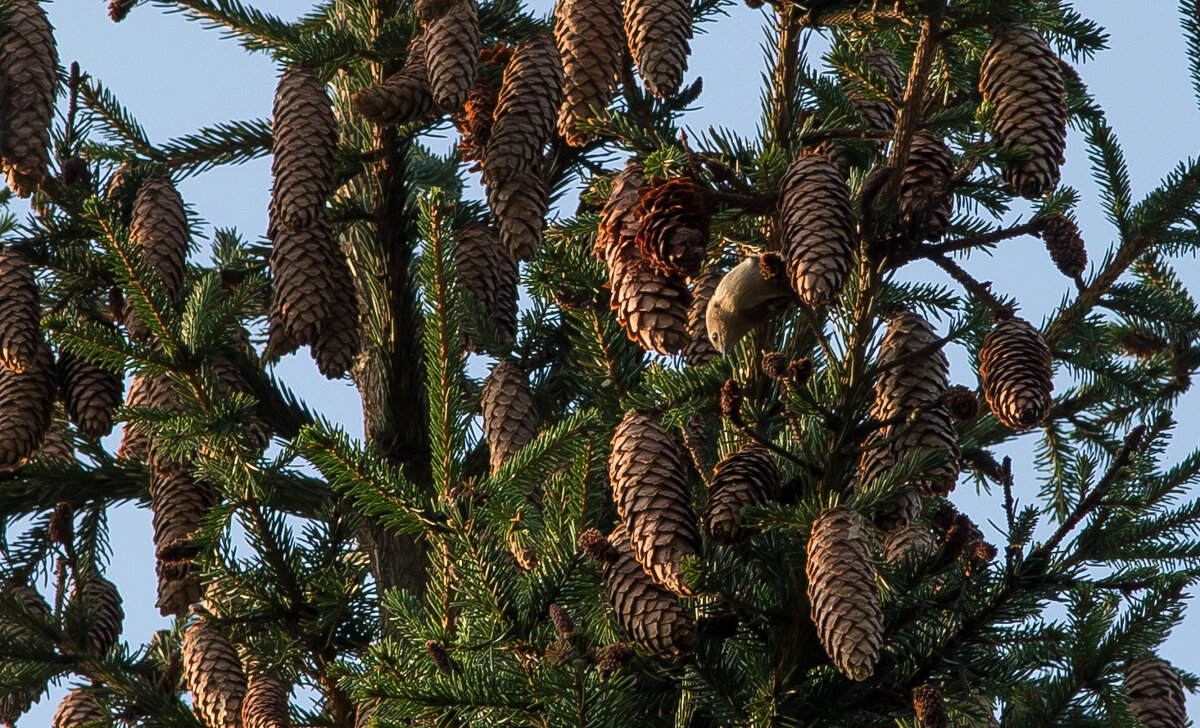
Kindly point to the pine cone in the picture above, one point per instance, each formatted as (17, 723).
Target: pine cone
(78, 708)
(30, 82)
(145, 392)
(930, 707)
(403, 97)
(15, 704)
(509, 418)
(908, 543)
(673, 220)
(562, 621)
(614, 657)
(305, 149)
(304, 297)
(817, 228)
(1142, 345)
(338, 346)
(266, 703)
(961, 402)
(1015, 366)
(1156, 694)
(490, 273)
(56, 446)
(651, 615)
(748, 477)
(590, 41)
(474, 122)
(119, 9)
(1065, 245)
(898, 512)
(650, 488)
(842, 592)
(97, 603)
(1021, 75)
(526, 110)
(652, 308)
(158, 226)
(618, 219)
(699, 350)
(925, 199)
(230, 382)
(519, 208)
(21, 312)
(90, 394)
(879, 114)
(658, 32)
(451, 53)
(178, 501)
(214, 675)
(26, 408)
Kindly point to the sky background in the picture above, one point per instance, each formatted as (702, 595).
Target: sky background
(175, 76)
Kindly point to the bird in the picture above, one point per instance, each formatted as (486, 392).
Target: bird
(744, 299)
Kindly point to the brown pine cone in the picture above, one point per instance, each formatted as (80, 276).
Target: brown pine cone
(26, 408)
(305, 149)
(525, 111)
(17, 703)
(930, 707)
(509, 418)
(178, 501)
(908, 543)
(1065, 245)
(879, 114)
(403, 97)
(652, 308)
(649, 614)
(961, 402)
(213, 674)
(474, 122)
(562, 621)
(673, 221)
(614, 657)
(1142, 344)
(486, 268)
(61, 527)
(451, 53)
(29, 76)
(1156, 695)
(649, 485)
(841, 589)
(158, 226)
(338, 346)
(97, 603)
(658, 33)
(21, 312)
(898, 512)
(1021, 75)
(591, 43)
(145, 392)
(618, 219)
(699, 350)
(266, 703)
(925, 195)
(749, 477)
(90, 394)
(303, 298)
(817, 227)
(519, 206)
(78, 708)
(1015, 366)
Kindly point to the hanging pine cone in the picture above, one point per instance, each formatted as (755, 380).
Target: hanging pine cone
(650, 488)
(748, 477)
(562, 621)
(930, 707)
(649, 614)
(841, 590)
(145, 392)
(304, 150)
(90, 394)
(1065, 245)
(898, 512)
(519, 206)
(1021, 75)
(451, 53)
(29, 66)
(961, 402)
(178, 502)
(474, 120)
(925, 199)
(673, 220)
(78, 708)
(490, 273)
(214, 675)
(908, 543)
(590, 42)
(652, 308)
(21, 312)
(158, 226)
(337, 347)
(97, 604)
(879, 114)
(266, 703)
(699, 350)
(525, 111)
(618, 219)
(16, 703)
(303, 299)
(658, 32)
(1015, 366)
(119, 9)
(509, 419)
(817, 228)
(403, 97)
(1156, 694)
(26, 408)
(1142, 345)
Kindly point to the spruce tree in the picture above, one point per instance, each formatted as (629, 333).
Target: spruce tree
(706, 478)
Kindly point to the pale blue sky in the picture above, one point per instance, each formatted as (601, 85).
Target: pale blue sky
(176, 77)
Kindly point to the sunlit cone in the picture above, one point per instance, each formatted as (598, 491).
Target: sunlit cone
(749, 477)
(98, 603)
(591, 43)
(649, 614)
(304, 151)
(402, 98)
(29, 73)
(842, 592)
(525, 111)
(452, 52)
(26, 408)
(78, 708)
(15, 704)
(908, 543)
(1021, 76)
(214, 675)
(158, 227)
(486, 268)
(91, 394)
(1156, 695)
(266, 703)
(925, 194)
(673, 221)
(658, 33)
(475, 119)
(817, 228)
(1015, 366)
(879, 114)
(699, 350)
(230, 381)
(618, 219)
(650, 488)
(653, 308)
(1065, 245)
(20, 312)
(509, 418)
(519, 206)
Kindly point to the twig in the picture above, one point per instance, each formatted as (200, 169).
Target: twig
(1092, 500)
(972, 241)
(974, 287)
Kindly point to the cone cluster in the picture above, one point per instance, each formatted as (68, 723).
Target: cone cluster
(29, 77)
(748, 477)
(451, 50)
(658, 32)
(878, 114)
(1015, 366)
(266, 702)
(403, 97)
(78, 708)
(213, 674)
(20, 312)
(925, 199)
(486, 268)
(158, 228)
(509, 417)
(1156, 695)
(1065, 245)
(590, 41)
(649, 614)
(26, 408)
(90, 394)
(97, 603)
(817, 226)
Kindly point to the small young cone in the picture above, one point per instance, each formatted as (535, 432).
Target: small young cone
(29, 75)
(213, 674)
(699, 350)
(78, 708)
(925, 195)
(618, 219)
(305, 148)
(749, 477)
(486, 268)
(509, 418)
(26, 408)
(1156, 695)
(1015, 366)
(118, 10)
(673, 222)
(99, 603)
(649, 484)
(519, 206)
(652, 308)
(158, 226)
(817, 228)
(1021, 75)
(17, 703)
(590, 41)
(649, 614)
(452, 52)
(303, 298)
(90, 394)
(526, 110)
(879, 114)
(402, 98)
(1065, 245)
(20, 313)
(930, 707)
(658, 33)
(908, 543)
(842, 593)
(266, 703)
